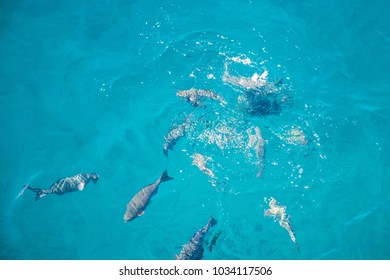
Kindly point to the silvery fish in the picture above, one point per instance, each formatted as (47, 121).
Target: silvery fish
(138, 203)
(194, 96)
(256, 142)
(200, 161)
(255, 82)
(174, 134)
(280, 215)
(193, 250)
(66, 185)
(259, 149)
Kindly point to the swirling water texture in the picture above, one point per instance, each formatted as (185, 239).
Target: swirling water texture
(91, 87)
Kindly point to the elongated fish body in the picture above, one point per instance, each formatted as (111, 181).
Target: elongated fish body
(194, 96)
(214, 240)
(280, 215)
(66, 185)
(200, 161)
(257, 82)
(174, 134)
(260, 152)
(256, 142)
(193, 250)
(138, 203)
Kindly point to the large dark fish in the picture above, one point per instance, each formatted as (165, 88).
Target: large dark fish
(138, 203)
(193, 250)
(66, 185)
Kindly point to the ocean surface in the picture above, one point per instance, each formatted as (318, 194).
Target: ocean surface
(90, 86)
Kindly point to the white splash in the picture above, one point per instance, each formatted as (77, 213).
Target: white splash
(238, 59)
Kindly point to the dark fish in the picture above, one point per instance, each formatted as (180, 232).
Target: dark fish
(66, 185)
(214, 240)
(138, 203)
(174, 134)
(193, 250)
(261, 103)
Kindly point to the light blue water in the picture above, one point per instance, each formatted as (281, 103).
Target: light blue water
(89, 86)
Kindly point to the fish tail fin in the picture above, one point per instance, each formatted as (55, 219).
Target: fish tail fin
(165, 151)
(39, 196)
(212, 221)
(279, 82)
(260, 172)
(39, 192)
(165, 177)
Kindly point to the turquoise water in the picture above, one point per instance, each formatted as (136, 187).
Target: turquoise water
(90, 86)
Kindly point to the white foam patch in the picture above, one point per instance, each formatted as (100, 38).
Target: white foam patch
(238, 59)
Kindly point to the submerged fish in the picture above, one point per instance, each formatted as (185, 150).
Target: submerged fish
(280, 215)
(260, 152)
(174, 134)
(194, 96)
(295, 136)
(193, 250)
(138, 203)
(66, 185)
(214, 240)
(201, 162)
(256, 142)
(256, 103)
(260, 97)
(255, 82)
